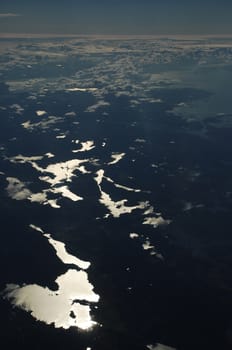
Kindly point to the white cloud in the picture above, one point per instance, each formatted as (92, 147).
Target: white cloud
(61, 251)
(55, 307)
(43, 124)
(86, 146)
(59, 172)
(70, 114)
(17, 189)
(115, 208)
(134, 235)
(156, 221)
(99, 104)
(65, 192)
(40, 113)
(61, 307)
(116, 158)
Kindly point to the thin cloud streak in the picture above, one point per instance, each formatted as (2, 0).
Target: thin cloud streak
(6, 15)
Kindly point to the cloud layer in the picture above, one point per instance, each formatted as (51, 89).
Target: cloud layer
(9, 14)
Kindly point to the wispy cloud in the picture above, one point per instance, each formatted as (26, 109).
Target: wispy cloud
(6, 15)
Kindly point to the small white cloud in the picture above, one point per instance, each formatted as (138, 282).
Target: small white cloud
(38, 197)
(86, 146)
(100, 103)
(116, 158)
(40, 113)
(156, 221)
(16, 189)
(70, 114)
(134, 235)
(147, 245)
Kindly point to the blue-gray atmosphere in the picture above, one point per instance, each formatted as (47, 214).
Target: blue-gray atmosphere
(116, 17)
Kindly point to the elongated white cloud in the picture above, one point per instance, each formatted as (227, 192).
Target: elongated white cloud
(116, 158)
(61, 251)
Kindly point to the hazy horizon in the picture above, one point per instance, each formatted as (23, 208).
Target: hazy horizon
(117, 18)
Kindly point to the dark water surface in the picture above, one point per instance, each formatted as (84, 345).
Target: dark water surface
(160, 261)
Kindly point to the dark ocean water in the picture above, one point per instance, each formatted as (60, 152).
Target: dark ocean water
(170, 283)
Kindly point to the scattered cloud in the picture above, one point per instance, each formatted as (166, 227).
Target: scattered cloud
(16, 189)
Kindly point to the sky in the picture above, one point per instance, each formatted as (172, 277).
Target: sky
(128, 17)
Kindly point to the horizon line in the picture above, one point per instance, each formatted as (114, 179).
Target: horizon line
(5, 35)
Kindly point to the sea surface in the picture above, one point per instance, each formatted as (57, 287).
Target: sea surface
(116, 193)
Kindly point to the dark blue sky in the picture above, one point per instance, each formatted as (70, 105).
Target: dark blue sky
(117, 16)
